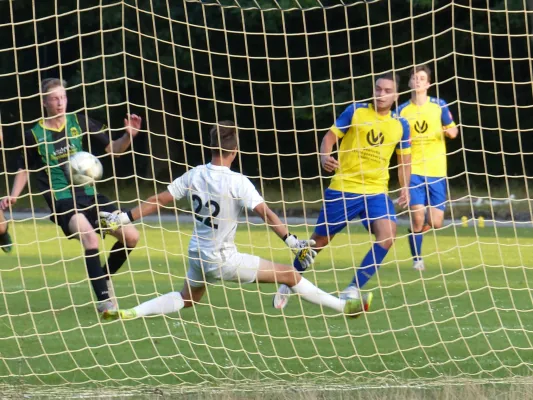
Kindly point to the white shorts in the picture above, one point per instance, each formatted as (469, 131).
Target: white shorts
(237, 267)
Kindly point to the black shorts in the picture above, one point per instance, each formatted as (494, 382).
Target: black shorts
(89, 206)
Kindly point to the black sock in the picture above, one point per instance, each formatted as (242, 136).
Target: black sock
(94, 269)
(117, 257)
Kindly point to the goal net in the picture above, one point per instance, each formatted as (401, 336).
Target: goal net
(283, 70)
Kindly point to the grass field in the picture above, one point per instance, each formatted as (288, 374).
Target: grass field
(468, 316)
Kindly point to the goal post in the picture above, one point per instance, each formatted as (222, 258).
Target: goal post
(283, 71)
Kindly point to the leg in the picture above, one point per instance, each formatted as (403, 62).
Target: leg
(270, 272)
(435, 217)
(3, 223)
(127, 238)
(437, 200)
(281, 298)
(380, 210)
(435, 189)
(80, 227)
(419, 199)
(416, 233)
(418, 216)
(168, 303)
(5, 239)
(338, 209)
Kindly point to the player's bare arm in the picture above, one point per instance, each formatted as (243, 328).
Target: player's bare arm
(329, 163)
(148, 207)
(273, 221)
(21, 179)
(404, 177)
(132, 125)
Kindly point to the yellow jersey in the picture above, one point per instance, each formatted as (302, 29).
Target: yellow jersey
(368, 142)
(428, 123)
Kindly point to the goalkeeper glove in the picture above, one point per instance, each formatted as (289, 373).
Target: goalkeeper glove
(302, 249)
(113, 221)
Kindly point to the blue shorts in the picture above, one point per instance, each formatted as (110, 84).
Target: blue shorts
(428, 191)
(342, 207)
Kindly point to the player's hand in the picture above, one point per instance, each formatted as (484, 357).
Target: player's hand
(303, 249)
(6, 201)
(132, 124)
(404, 198)
(329, 163)
(113, 221)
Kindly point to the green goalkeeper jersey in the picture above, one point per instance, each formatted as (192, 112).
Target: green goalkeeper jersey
(47, 152)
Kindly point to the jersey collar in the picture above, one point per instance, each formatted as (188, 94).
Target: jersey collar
(47, 128)
(422, 105)
(216, 167)
(379, 116)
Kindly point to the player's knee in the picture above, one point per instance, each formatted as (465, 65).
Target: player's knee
(132, 237)
(321, 241)
(436, 223)
(287, 275)
(418, 222)
(89, 240)
(387, 243)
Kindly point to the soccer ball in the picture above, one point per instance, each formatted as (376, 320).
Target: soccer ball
(85, 168)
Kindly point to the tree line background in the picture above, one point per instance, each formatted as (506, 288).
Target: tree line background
(282, 75)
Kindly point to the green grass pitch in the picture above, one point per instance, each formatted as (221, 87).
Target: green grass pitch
(467, 316)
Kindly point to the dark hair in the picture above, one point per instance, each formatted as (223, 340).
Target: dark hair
(390, 76)
(49, 83)
(223, 138)
(422, 68)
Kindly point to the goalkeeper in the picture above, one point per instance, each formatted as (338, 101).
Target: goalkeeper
(431, 122)
(217, 196)
(47, 148)
(370, 133)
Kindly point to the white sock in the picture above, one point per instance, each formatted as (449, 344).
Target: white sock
(166, 304)
(314, 295)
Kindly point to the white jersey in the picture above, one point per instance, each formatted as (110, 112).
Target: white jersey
(217, 196)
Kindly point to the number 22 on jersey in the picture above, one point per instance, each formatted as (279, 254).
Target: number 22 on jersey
(213, 208)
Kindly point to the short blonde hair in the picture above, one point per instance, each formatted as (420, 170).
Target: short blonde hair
(50, 83)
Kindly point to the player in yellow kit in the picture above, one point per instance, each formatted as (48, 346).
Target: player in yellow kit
(367, 135)
(431, 122)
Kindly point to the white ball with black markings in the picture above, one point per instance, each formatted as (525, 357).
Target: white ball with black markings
(85, 168)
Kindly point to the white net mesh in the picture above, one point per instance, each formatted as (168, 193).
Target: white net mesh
(283, 70)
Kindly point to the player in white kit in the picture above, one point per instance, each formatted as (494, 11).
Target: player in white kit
(217, 196)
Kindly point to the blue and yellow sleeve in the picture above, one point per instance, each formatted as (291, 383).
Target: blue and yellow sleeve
(401, 107)
(344, 121)
(404, 146)
(446, 115)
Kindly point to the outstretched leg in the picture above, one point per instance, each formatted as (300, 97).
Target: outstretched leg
(270, 272)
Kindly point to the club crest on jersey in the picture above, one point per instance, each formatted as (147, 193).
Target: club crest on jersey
(375, 139)
(421, 126)
(74, 131)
